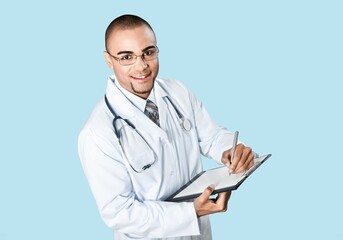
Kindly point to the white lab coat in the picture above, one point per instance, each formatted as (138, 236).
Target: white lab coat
(132, 203)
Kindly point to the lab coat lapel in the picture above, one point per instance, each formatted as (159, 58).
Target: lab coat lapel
(119, 103)
(160, 94)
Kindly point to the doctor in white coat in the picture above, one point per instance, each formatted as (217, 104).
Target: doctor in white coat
(133, 164)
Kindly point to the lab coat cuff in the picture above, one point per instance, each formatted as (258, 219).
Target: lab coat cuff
(186, 223)
(194, 224)
(179, 220)
(176, 220)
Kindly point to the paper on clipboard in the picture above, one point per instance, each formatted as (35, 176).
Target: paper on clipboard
(219, 177)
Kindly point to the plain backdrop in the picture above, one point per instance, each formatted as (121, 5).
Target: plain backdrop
(270, 69)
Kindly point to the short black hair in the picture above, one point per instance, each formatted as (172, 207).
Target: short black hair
(123, 22)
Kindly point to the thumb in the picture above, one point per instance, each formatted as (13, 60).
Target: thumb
(207, 193)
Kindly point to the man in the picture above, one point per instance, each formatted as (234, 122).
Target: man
(144, 140)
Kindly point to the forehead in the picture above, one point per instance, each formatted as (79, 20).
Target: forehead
(131, 39)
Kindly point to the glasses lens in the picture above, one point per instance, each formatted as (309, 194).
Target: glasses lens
(137, 151)
(127, 59)
(151, 54)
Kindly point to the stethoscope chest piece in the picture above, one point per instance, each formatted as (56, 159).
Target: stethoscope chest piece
(186, 125)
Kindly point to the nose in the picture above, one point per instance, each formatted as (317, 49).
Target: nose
(141, 63)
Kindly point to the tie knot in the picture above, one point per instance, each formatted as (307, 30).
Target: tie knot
(151, 111)
(151, 106)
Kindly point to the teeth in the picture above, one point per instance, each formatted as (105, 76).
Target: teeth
(141, 77)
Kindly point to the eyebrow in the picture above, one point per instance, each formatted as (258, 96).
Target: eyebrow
(124, 52)
(147, 48)
(130, 52)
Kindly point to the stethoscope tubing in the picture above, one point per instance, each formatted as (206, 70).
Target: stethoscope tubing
(186, 124)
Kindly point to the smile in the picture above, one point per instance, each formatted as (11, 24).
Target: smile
(142, 78)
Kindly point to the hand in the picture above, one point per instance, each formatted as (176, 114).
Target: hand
(204, 206)
(242, 161)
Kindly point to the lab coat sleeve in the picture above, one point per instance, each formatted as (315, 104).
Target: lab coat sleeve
(213, 139)
(111, 186)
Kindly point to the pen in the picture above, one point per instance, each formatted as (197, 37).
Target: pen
(233, 149)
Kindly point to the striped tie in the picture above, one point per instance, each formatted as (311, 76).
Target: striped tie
(151, 111)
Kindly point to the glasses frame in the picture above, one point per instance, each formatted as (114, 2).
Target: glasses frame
(135, 57)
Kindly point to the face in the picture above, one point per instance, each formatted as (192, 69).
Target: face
(139, 77)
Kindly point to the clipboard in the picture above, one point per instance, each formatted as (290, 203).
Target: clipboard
(219, 177)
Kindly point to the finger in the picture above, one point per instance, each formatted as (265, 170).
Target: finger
(248, 163)
(223, 197)
(226, 157)
(206, 193)
(222, 201)
(236, 157)
(252, 162)
(245, 158)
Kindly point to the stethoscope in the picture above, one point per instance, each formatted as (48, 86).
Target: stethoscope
(185, 124)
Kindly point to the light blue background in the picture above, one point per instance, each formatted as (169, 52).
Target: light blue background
(270, 69)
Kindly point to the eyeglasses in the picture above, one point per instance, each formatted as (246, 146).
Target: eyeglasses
(129, 58)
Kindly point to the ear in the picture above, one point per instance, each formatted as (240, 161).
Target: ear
(108, 60)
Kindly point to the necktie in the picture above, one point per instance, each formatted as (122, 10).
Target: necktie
(151, 111)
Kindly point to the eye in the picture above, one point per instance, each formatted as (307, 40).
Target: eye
(126, 57)
(149, 52)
